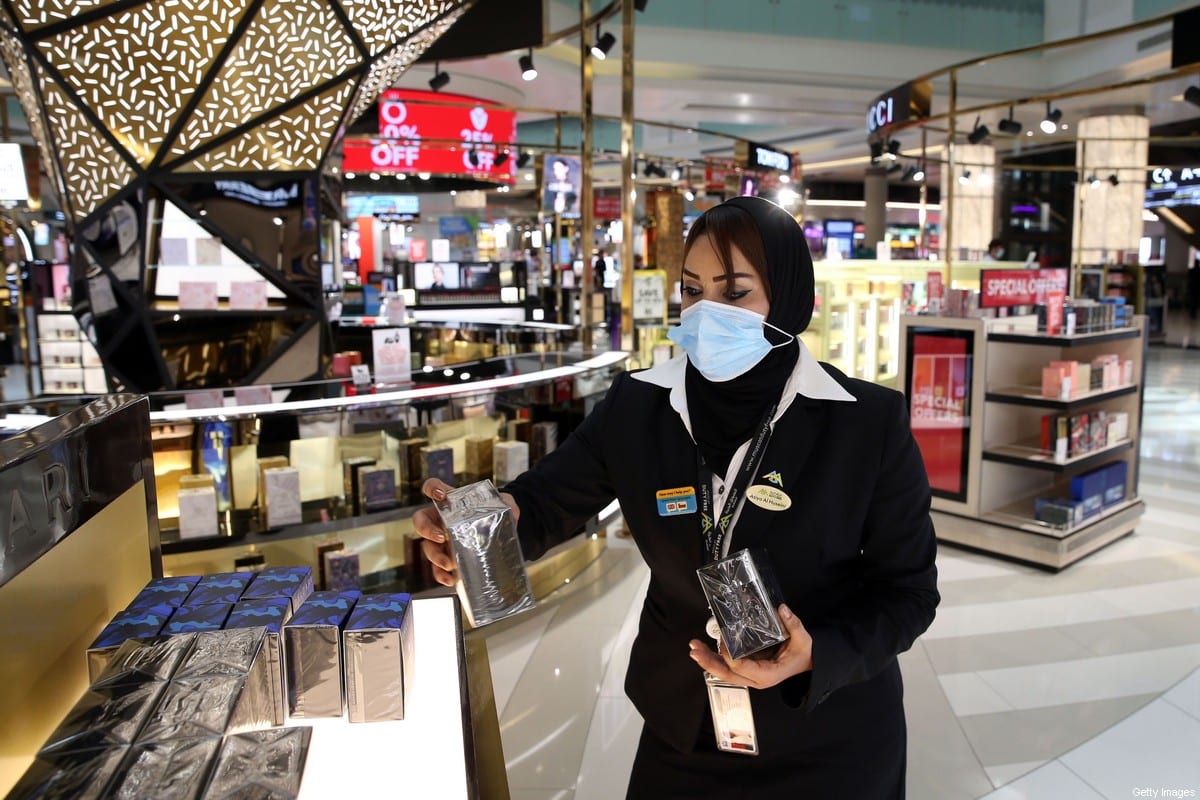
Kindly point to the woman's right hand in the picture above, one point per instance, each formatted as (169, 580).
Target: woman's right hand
(436, 546)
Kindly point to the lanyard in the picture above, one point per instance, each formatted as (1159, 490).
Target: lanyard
(714, 531)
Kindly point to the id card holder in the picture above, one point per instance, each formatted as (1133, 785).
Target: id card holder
(732, 716)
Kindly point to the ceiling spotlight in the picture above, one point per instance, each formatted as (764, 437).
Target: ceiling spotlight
(908, 173)
(876, 151)
(640, 5)
(1094, 182)
(893, 150)
(500, 159)
(676, 173)
(1050, 123)
(473, 157)
(528, 71)
(439, 79)
(978, 133)
(1114, 180)
(893, 168)
(689, 195)
(919, 173)
(523, 159)
(1192, 95)
(604, 43)
(965, 178)
(374, 176)
(785, 178)
(277, 220)
(1010, 125)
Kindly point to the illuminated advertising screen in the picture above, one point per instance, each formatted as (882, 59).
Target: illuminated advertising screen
(562, 181)
(435, 276)
(939, 403)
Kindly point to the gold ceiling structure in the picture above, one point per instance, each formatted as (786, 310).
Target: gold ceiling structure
(117, 90)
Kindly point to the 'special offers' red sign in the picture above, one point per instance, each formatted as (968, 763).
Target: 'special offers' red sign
(1019, 287)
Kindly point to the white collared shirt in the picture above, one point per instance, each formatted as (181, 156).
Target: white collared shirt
(808, 378)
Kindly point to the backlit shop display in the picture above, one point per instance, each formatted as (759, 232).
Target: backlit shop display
(939, 394)
(1173, 187)
(416, 136)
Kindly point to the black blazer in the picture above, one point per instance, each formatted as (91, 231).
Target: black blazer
(854, 555)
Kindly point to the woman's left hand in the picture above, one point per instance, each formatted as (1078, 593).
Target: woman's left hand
(792, 658)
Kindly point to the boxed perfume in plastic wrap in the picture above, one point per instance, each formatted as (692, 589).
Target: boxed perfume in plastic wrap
(743, 595)
(378, 645)
(312, 655)
(260, 764)
(492, 582)
(294, 583)
(77, 775)
(165, 591)
(145, 622)
(269, 613)
(223, 587)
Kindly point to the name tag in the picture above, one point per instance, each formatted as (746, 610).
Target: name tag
(673, 502)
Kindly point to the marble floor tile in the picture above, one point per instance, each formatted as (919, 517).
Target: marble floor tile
(1136, 633)
(541, 794)
(959, 565)
(1007, 773)
(1185, 695)
(509, 652)
(1051, 781)
(1158, 747)
(1016, 615)
(970, 694)
(612, 740)
(998, 650)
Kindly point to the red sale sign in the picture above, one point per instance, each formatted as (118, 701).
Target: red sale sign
(1019, 287)
(939, 394)
(418, 136)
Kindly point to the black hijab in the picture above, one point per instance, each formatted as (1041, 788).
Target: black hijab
(726, 414)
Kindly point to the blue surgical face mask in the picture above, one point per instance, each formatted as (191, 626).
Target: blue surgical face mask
(721, 340)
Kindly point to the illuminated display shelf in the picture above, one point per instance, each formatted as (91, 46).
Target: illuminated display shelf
(1003, 466)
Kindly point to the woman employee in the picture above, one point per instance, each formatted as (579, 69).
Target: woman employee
(838, 498)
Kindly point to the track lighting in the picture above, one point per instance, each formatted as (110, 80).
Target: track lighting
(908, 174)
(528, 71)
(1114, 180)
(676, 173)
(439, 79)
(876, 151)
(1094, 182)
(919, 173)
(1010, 125)
(1192, 95)
(500, 159)
(978, 133)
(893, 168)
(523, 159)
(604, 43)
(965, 178)
(893, 150)
(1050, 123)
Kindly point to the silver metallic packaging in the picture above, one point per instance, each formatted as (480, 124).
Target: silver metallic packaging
(177, 769)
(106, 717)
(81, 775)
(492, 581)
(261, 764)
(143, 661)
(269, 613)
(378, 644)
(744, 594)
(312, 655)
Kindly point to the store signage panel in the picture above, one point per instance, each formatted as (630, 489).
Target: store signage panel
(379, 205)
(1173, 186)
(606, 206)
(940, 363)
(441, 139)
(907, 101)
(650, 297)
(752, 155)
(1019, 287)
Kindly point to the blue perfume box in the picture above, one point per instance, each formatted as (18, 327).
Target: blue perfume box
(141, 623)
(379, 657)
(312, 652)
(294, 583)
(171, 591)
(224, 587)
(189, 618)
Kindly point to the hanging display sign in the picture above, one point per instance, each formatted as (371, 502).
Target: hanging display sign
(1173, 186)
(907, 101)
(1019, 287)
(716, 177)
(650, 297)
(752, 155)
(416, 136)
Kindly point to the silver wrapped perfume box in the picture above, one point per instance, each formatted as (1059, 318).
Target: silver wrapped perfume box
(492, 582)
(378, 645)
(80, 775)
(176, 769)
(260, 764)
(744, 594)
(312, 655)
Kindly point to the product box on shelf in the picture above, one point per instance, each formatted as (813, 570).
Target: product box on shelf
(313, 656)
(282, 487)
(1056, 511)
(1098, 429)
(142, 661)
(1084, 378)
(144, 622)
(165, 591)
(509, 459)
(378, 643)
(294, 583)
(1070, 372)
(1088, 488)
(208, 617)
(544, 438)
(80, 775)
(350, 471)
(221, 587)
(479, 456)
(409, 451)
(520, 430)
(342, 571)
(1080, 436)
(263, 764)
(171, 768)
(376, 489)
(1115, 476)
(110, 716)
(198, 513)
(493, 583)
(264, 464)
(269, 614)
(1055, 383)
(1118, 426)
(437, 462)
(743, 593)
(321, 549)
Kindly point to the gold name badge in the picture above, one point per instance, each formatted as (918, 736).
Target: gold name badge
(768, 497)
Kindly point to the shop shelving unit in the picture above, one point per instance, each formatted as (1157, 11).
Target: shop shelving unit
(69, 362)
(1004, 466)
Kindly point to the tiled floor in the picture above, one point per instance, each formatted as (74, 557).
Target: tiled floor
(1083, 684)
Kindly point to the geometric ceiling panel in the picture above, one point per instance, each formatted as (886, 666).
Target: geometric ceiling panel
(290, 46)
(294, 141)
(93, 169)
(137, 70)
(382, 22)
(35, 13)
(387, 69)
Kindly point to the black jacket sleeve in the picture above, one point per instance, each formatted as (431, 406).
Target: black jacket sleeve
(897, 575)
(567, 487)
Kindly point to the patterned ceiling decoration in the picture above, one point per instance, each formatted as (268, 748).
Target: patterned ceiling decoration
(126, 91)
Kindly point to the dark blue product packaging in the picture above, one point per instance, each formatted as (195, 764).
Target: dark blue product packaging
(294, 583)
(82, 775)
(312, 652)
(1089, 489)
(1056, 511)
(223, 587)
(198, 618)
(379, 657)
(141, 623)
(1114, 492)
(270, 613)
(216, 439)
(168, 591)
